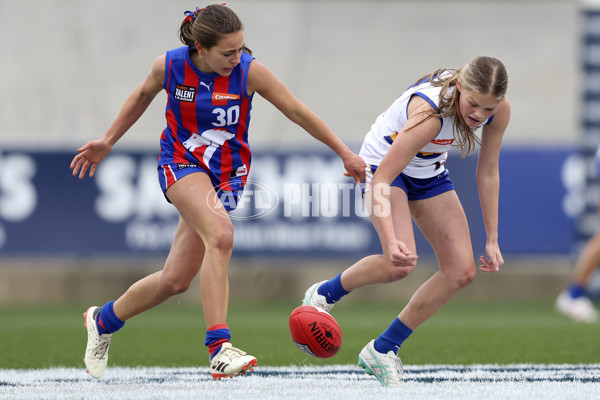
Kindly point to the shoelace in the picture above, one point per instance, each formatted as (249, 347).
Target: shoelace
(233, 353)
(396, 365)
(101, 348)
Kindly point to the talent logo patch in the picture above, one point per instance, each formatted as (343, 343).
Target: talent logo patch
(185, 93)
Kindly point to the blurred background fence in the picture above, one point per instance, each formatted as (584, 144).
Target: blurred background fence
(68, 65)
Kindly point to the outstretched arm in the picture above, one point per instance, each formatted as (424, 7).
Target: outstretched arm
(93, 152)
(416, 133)
(488, 183)
(265, 83)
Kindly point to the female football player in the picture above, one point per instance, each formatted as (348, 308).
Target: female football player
(407, 181)
(210, 83)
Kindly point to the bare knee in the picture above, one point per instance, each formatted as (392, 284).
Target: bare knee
(467, 278)
(174, 285)
(221, 240)
(464, 277)
(393, 273)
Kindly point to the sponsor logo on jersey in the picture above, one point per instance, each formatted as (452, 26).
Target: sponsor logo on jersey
(442, 141)
(225, 96)
(185, 93)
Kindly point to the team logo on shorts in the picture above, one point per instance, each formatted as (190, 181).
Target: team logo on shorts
(185, 93)
(240, 171)
(182, 166)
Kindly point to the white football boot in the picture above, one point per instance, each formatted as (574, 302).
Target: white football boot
(230, 362)
(580, 309)
(387, 368)
(96, 351)
(313, 298)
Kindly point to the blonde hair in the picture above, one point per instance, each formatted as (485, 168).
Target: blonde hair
(484, 75)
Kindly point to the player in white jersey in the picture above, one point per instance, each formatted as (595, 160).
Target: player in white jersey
(574, 302)
(407, 180)
(430, 160)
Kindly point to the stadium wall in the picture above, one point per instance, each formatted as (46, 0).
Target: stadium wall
(66, 75)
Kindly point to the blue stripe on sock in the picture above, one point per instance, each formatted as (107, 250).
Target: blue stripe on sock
(217, 334)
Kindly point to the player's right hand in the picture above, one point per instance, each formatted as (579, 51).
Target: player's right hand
(89, 156)
(400, 255)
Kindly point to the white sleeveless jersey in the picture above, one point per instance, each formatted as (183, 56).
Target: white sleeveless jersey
(429, 162)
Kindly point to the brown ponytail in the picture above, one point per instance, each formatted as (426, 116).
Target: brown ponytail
(207, 25)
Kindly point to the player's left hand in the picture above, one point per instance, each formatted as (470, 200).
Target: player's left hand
(89, 156)
(355, 167)
(494, 258)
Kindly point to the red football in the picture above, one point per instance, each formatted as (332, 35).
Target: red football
(315, 332)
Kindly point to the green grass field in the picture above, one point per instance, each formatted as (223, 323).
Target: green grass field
(172, 335)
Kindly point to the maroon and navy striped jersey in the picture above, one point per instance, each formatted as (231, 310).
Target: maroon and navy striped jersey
(207, 119)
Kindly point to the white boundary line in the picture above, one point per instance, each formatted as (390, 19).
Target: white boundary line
(515, 381)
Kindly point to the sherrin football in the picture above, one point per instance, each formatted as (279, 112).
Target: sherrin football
(315, 331)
